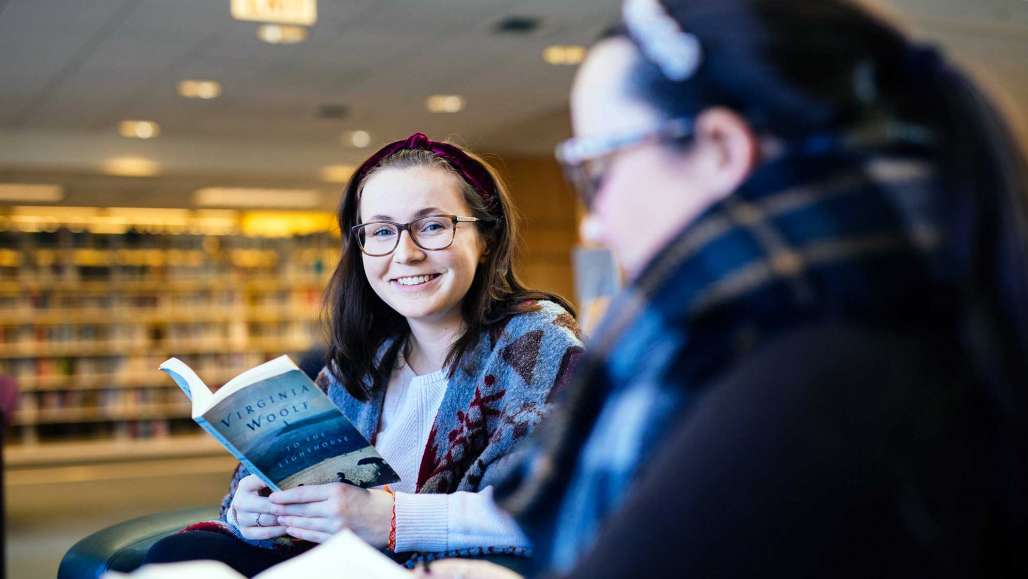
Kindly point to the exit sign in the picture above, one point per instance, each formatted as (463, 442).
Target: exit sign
(301, 12)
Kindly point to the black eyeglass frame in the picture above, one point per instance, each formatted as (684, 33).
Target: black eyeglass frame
(401, 227)
(576, 154)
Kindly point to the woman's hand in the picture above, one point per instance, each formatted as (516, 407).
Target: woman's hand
(464, 569)
(316, 512)
(254, 514)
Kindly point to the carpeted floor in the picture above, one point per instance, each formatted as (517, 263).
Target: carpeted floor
(49, 510)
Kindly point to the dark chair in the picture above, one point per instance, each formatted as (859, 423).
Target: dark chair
(123, 546)
(8, 402)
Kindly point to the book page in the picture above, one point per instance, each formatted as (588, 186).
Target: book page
(190, 383)
(271, 368)
(344, 556)
(191, 569)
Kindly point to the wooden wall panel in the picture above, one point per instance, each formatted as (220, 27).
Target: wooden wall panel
(549, 220)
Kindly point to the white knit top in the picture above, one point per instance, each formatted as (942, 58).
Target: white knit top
(432, 522)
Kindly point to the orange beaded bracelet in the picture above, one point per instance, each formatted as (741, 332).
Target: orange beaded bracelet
(392, 525)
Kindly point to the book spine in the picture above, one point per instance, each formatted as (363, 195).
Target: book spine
(235, 452)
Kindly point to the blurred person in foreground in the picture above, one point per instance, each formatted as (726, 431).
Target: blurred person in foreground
(817, 368)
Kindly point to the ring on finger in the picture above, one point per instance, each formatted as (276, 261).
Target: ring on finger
(259, 515)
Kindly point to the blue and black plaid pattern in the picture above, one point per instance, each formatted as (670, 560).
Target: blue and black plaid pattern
(813, 239)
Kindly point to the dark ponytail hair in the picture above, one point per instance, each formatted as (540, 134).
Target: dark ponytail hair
(360, 323)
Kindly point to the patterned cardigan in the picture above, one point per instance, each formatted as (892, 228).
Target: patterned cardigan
(496, 396)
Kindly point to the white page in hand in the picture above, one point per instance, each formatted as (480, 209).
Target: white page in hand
(186, 569)
(344, 556)
(201, 395)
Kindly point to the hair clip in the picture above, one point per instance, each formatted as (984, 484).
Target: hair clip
(661, 39)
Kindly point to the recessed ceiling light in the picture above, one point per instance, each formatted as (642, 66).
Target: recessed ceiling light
(564, 54)
(250, 197)
(337, 173)
(359, 139)
(518, 25)
(304, 12)
(275, 34)
(130, 167)
(199, 89)
(31, 192)
(445, 103)
(333, 111)
(139, 129)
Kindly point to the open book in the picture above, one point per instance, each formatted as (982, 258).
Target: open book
(344, 556)
(279, 424)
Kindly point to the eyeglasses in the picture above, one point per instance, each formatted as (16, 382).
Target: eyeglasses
(432, 233)
(586, 161)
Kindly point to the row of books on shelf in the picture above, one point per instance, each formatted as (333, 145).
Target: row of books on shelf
(30, 350)
(264, 282)
(152, 316)
(136, 335)
(99, 405)
(198, 298)
(64, 238)
(117, 372)
(29, 436)
(43, 267)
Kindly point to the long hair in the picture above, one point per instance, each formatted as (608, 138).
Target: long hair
(360, 323)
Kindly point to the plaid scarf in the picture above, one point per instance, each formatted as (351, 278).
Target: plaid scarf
(824, 233)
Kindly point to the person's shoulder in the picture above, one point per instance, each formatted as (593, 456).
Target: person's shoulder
(332, 385)
(847, 365)
(829, 347)
(545, 315)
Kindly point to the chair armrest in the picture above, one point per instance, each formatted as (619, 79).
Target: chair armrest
(122, 547)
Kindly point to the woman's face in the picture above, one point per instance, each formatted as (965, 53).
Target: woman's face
(421, 285)
(646, 190)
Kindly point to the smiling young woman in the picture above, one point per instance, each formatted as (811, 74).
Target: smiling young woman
(438, 354)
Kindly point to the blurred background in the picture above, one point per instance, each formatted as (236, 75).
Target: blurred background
(168, 175)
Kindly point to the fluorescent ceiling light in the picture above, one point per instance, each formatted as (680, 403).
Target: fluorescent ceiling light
(199, 89)
(564, 55)
(139, 129)
(275, 34)
(359, 139)
(337, 173)
(445, 103)
(130, 167)
(250, 197)
(302, 12)
(31, 192)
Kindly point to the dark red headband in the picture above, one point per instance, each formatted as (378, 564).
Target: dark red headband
(473, 171)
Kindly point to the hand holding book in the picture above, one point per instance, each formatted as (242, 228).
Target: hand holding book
(252, 513)
(316, 512)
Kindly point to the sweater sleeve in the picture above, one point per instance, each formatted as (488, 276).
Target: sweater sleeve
(447, 522)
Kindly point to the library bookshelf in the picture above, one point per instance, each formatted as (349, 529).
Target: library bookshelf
(88, 312)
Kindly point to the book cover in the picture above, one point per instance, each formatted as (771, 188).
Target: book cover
(279, 424)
